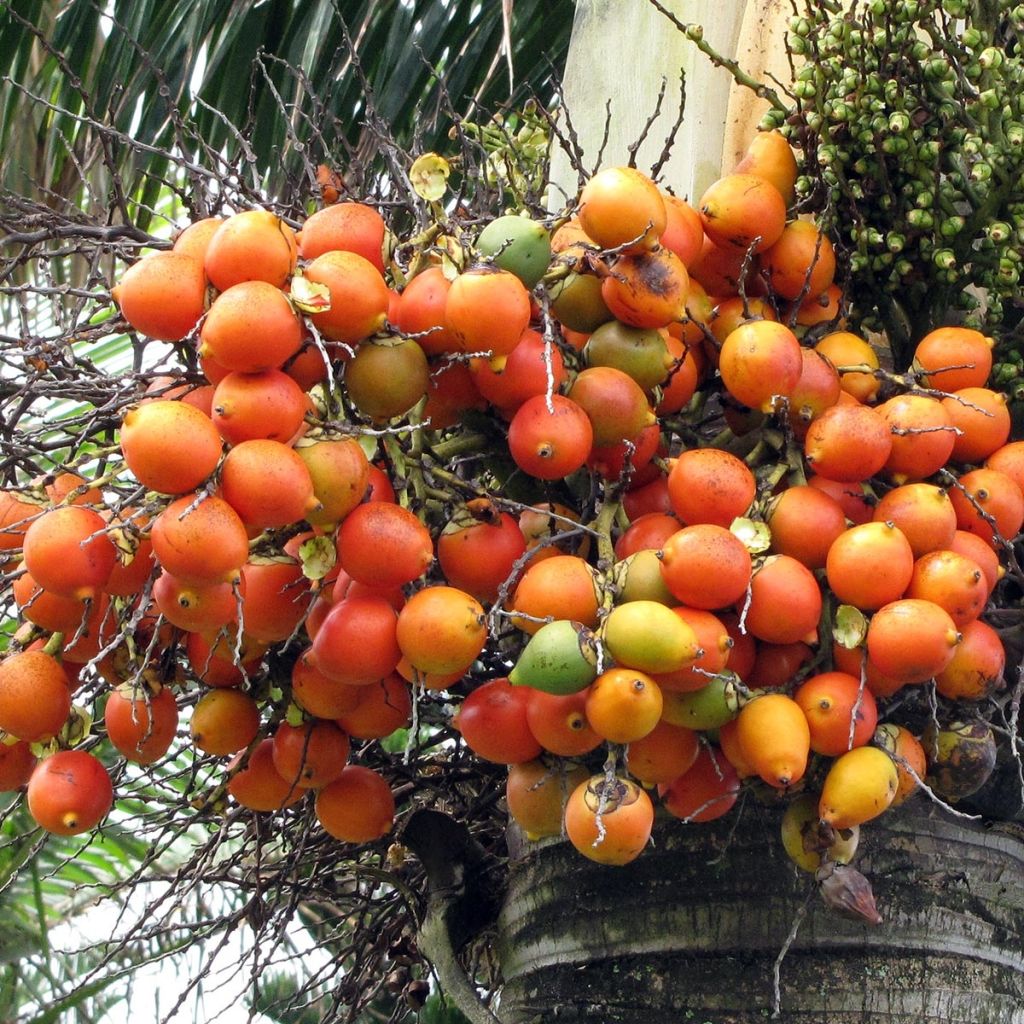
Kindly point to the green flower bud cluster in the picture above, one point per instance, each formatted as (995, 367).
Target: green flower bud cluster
(910, 118)
(516, 147)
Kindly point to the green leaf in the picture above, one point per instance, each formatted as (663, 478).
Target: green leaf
(851, 627)
(754, 535)
(318, 556)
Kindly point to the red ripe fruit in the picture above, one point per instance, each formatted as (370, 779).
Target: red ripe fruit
(493, 722)
(550, 440)
(69, 793)
(384, 545)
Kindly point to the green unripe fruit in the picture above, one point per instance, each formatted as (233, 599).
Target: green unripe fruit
(898, 122)
(1007, 274)
(708, 708)
(971, 37)
(560, 658)
(999, 231)
(952, 226)
(519, 245)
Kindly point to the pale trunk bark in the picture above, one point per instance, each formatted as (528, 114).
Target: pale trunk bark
(620, 54)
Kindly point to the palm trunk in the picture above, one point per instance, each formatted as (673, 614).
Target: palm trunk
(692, 929)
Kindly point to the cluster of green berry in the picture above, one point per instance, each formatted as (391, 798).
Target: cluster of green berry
(910, 116)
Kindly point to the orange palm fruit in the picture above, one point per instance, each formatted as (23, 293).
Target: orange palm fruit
(775, 738)
(170, 446)
(760, 363)
(69, 793)
(909, 756)
(623, 705)
(621, 206)
(912, 639)
(801, 262)
(537, 795)
(609, 820)
(954, 358)
(254, 245)
(353, 227)
(743, 211)
(34, 696)
(250, 327)
(770, 156)
(845, 351)
(163, 295)
(841, 715)
(441, 630)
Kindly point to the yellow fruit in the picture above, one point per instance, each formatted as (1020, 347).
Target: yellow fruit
(649, 637)
(859, 786)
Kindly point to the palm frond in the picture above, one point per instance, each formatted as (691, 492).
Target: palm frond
(262, 91)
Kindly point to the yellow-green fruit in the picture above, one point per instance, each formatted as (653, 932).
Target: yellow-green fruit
(961, 757)
(640, 353)
(387, 377)
(649, 637)
(859, 786)
(577, 302)
(805, 840)
(639, 578)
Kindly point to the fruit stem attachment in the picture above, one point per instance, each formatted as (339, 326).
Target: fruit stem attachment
(602, 526)
(55, 645)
